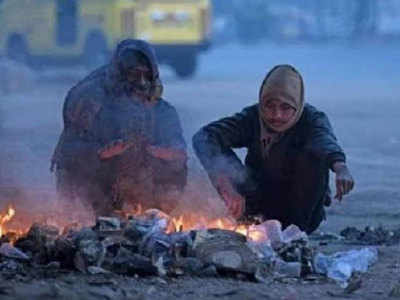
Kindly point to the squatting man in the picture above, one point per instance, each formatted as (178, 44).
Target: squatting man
(122, 144)
(290, 149)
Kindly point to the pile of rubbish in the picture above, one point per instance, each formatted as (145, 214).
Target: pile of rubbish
(141, 246)
(371, 235)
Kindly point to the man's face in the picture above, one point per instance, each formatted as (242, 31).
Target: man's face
(137, 73)
(277, 113)
(139, 77)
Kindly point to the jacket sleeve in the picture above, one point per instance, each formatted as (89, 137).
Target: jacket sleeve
(172, 172)
(77, 148)
(322, 141)
(215, 142)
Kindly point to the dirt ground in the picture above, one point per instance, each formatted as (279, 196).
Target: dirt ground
(357, 86)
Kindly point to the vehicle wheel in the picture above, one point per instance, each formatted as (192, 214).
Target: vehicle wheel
(17, 50)
(95, 53)
(186, 66)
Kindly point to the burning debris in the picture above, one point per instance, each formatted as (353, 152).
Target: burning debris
(153, 243)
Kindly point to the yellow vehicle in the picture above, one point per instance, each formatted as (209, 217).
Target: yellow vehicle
(87, 30)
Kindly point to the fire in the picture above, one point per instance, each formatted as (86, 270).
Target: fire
(177, 224)
(193, 221)
(184, 223)
(6, 218)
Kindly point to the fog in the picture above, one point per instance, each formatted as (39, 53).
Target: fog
(353, 77)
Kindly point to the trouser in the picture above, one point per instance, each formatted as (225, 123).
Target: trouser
(297, 199)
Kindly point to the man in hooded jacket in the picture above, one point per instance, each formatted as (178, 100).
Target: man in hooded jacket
(291, 147)
(122, 144)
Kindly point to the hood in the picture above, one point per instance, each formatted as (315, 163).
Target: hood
(286, 83)
(114, 75)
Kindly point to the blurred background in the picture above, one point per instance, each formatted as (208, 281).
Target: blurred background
(214, 56)
(307, 20)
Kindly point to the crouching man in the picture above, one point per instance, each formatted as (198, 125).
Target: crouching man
(122, 144)
(290, 149)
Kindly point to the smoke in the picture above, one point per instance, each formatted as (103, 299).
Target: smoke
(30, 122)
(199, 196)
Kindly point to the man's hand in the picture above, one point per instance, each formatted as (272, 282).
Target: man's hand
(344, 180)
(169, 154)
(233, 200)
(114, 148)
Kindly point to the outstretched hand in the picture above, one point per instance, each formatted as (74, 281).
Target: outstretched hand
(235, 203)
(114, 148)
(169, 154)
(344, 180)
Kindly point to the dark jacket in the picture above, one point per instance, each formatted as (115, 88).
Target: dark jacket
(215, 142)
(97, 112)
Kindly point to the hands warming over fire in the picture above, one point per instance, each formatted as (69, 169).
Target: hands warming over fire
(344, 180)
(169, 154)
(118, 147)
(114, 148)
(235, 203)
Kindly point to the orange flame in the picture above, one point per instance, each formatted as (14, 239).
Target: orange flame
(6, 218)
(183, 223)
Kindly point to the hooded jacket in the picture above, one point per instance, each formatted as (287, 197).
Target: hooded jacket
(97, 111)
(311, 133)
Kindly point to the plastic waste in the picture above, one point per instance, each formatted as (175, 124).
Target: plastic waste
(288, 269)
(341, 265)
(263, 251)
(273, 232)
(293, 233)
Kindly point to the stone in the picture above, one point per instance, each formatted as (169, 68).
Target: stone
(190, 265)
(11, 266)
(263, 251)
(39, 232)
(228, 259)
(128, 263)
(217, 247)
(93, 270)
(39, 242)
(155, 244)
(273, 229)
(288, 269)
(202, 236)
(107, 224)
(64, 251)
(9, 251)
(90, 253)
(137, 228)
(264, 274)
(293, 233)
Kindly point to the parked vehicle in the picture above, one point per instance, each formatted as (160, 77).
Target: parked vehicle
(87, 30)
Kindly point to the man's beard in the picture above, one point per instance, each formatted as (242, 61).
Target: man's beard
(138, 90)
